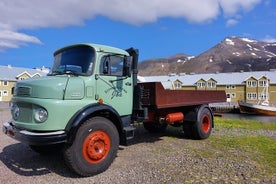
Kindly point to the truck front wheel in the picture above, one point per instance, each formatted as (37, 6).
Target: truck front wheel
(94, 147)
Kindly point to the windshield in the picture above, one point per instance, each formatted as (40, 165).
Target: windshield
(75, 61)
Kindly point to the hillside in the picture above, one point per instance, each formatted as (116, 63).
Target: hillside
(161, 66)
(233, 54)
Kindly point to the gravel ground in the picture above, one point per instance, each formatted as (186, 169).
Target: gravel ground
(154, 159)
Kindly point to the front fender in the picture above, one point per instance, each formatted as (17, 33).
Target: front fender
(89, 111)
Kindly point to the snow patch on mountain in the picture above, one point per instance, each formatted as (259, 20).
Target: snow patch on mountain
(248, 40)
(256, 49)
(236, 54)
(190, 57)
(229, 62)
(229, 41)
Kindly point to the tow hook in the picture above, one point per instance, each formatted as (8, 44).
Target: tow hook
(8, 129)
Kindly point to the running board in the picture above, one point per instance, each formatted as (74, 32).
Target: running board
(128, 134)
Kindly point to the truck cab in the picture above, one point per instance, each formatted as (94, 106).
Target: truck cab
(82, 76)
(86, 80)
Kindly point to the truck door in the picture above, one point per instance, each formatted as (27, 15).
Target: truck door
(112, 86)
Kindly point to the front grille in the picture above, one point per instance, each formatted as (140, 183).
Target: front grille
(26, 111)
(22, 91)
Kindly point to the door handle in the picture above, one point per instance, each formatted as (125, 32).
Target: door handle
(128, 84)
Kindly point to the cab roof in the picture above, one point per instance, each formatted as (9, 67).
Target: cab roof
(97, 47)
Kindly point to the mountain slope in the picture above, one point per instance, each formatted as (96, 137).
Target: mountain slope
(162, 66)
(230, 55)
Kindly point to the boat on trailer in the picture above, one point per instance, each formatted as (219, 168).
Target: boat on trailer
(258, 109)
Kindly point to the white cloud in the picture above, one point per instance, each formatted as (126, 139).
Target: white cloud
(14, 36)
(144, 11)
(269, 39)
(32, 14)
(231, 22)
(59, 13)
(232, 7)
(10, 39)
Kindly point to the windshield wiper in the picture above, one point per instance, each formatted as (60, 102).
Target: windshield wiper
(56, 73)
(71, 72)
(68, 72)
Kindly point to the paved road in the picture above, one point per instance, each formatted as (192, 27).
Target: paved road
(4, 105)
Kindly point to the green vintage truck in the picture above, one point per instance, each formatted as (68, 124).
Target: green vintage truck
(88, 104)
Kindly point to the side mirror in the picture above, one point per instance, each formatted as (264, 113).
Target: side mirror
(127, 66)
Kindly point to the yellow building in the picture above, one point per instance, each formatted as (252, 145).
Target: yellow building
(10, 75)
(244, 86)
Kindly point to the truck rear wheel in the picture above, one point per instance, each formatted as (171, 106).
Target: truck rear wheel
(94, 147)
(188, 129)
(203, 127)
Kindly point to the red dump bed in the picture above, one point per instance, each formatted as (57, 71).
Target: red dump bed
(154, 94)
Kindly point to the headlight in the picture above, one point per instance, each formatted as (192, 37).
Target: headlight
(14, 111)
(40, 114)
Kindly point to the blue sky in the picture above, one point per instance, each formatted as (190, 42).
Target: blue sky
(30, 31)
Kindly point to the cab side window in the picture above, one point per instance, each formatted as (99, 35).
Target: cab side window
(112, 65)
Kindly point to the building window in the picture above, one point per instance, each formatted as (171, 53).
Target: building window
(177, 85)
(251, 83)
(201, 84)
(211, 84)
(230, 95)
(262, 83)
(230, 86)
(251, 96)
(5, 83)
(5, 93)
(263, 96)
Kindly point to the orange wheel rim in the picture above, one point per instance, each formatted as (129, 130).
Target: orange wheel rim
(96, 147)
(206, 124)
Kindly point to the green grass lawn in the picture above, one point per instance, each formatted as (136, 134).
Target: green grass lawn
(244, 124)
(260, 148)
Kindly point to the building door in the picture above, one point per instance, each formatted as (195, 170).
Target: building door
(0, 96)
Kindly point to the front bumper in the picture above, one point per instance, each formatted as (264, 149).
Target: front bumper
(34, 138)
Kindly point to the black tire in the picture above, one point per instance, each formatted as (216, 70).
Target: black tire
(203, 126)
(154, 127)
(94, 147)
(188, 129)
(47, 149)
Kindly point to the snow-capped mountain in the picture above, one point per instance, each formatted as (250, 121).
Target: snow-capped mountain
(233, 54)
(248, 47)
